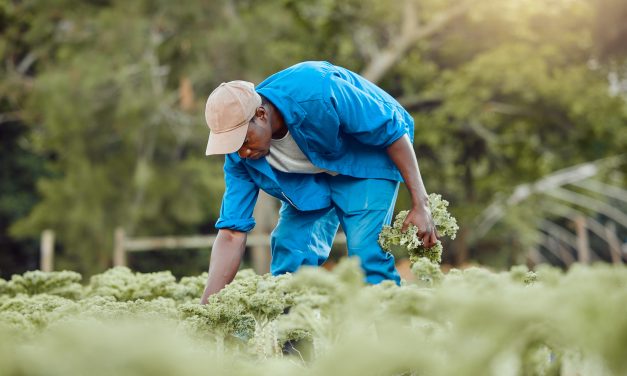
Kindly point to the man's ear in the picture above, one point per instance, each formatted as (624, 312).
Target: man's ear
(261, 112)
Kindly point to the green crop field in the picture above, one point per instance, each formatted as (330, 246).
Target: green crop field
(316, 322)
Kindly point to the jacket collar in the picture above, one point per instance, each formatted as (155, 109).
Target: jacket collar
(293, 113)
(262, 166)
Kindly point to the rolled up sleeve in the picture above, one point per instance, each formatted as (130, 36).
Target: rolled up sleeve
(240, 197)
(370, 120)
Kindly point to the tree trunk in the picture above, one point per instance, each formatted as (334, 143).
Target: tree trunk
(460, 247)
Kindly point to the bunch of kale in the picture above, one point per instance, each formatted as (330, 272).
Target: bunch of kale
(392, 237)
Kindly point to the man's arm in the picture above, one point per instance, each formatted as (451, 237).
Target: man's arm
(402, 154)
(381, 124)
(236, 219)
(226, 256)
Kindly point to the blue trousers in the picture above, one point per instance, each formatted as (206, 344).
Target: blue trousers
(361, 206)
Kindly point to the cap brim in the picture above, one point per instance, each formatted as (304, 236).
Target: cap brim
(226, 142)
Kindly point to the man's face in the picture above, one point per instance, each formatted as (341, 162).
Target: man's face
(257, 141)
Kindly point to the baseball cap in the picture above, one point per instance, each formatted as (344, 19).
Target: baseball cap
(228, 110)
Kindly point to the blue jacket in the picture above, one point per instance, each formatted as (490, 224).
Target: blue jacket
(341, 121)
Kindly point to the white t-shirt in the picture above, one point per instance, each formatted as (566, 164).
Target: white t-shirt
(286, 156)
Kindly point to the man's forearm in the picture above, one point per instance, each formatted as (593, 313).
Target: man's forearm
(226, 256)
(402, 154)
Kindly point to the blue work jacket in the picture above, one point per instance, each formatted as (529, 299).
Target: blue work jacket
(341, 122)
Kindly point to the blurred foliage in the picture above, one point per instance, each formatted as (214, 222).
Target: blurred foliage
(315, 322)
(108, 100)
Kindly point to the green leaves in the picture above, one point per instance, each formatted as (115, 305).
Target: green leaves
(455, 323)
(446, 225)
(65, 284)
(124, 285)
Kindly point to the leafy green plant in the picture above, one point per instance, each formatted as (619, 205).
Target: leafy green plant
(121, 283)
(446, 225)
(472, 321)
(64, 283)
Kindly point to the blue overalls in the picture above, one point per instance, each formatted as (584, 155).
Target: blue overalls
(361, 206)
(342, 123)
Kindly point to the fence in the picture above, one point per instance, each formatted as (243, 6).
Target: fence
(259, 242)
(46, 255)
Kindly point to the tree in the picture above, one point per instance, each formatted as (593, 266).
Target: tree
(503, 93)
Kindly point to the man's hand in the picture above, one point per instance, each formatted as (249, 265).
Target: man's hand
(402, 154)
(421, 218)
(226, 255)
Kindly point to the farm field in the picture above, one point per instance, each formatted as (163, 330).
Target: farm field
(318, 322)
(506, 118)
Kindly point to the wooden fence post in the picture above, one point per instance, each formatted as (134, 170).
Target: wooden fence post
(119, 253)
(583, 247)
(613, 243)
(46, 257)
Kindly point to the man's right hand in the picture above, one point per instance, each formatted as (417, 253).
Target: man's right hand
(425, 228)
(226, 255)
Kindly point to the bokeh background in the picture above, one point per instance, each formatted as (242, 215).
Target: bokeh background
(520, 110)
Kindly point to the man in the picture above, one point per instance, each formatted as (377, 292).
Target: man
(329, 144)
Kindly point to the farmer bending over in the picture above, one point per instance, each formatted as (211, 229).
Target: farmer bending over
(330, 145)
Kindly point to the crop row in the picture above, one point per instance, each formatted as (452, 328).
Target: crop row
(315, 322)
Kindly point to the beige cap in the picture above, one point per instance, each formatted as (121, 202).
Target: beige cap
(228, 110)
